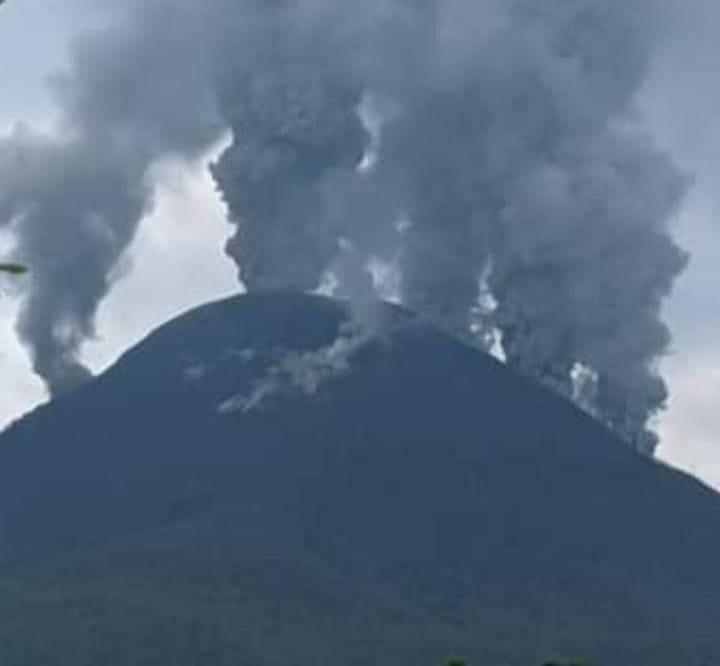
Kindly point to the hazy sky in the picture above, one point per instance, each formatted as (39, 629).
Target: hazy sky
(177, 260)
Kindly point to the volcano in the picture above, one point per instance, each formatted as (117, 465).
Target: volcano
(259, 483)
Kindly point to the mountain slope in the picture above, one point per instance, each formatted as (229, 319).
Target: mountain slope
(243, 488)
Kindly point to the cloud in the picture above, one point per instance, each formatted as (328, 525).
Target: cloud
(689, 431)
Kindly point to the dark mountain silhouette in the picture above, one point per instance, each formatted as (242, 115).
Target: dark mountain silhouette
(409, 498)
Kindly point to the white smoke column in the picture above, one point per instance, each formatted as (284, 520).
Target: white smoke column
(303, 373)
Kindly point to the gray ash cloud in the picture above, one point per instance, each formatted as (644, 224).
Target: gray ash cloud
(508, 160)
(74, 198)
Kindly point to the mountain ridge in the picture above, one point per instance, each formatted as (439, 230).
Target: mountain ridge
(415, 498)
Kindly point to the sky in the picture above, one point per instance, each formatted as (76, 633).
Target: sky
(177, 259)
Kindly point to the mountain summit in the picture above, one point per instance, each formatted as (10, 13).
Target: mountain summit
(264, 482)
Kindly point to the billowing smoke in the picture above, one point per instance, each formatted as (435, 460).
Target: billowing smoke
(503, 171)
(74, 198)
(514, 153)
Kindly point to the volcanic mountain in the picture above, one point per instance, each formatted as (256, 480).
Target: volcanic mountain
(262, 482)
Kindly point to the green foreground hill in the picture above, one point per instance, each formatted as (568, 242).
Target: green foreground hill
(413, 501)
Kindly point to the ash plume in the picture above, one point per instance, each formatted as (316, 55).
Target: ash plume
(506, 174)
(516, 154)
(74, 198)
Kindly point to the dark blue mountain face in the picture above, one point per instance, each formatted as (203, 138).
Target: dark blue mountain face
(256, 483)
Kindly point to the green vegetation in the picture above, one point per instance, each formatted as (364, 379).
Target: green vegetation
(572, 662)
(13, 269)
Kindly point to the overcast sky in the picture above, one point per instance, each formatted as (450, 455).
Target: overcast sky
(177, 259)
